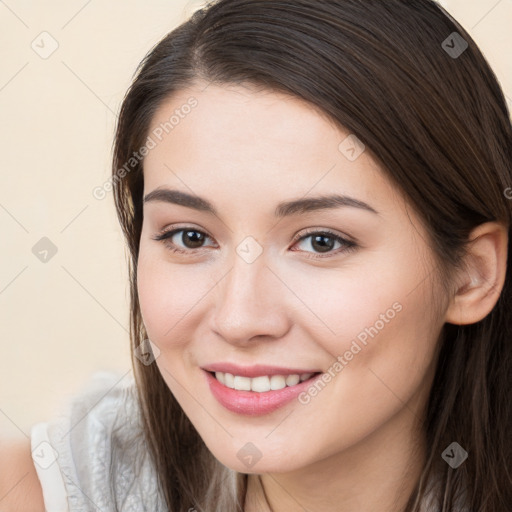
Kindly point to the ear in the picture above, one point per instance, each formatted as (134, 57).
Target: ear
(481, 281)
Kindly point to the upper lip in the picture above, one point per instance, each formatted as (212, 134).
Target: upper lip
(256, 370)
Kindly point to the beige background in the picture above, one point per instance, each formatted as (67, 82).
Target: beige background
(67, 318)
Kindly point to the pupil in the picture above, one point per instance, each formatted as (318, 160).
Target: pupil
(322, 247)
(196, 238)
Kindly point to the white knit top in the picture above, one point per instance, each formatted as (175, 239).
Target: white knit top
(92, 456)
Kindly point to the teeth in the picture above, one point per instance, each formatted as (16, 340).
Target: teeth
(242, 383)
(260, 384)
(292, 380)
(277, 382)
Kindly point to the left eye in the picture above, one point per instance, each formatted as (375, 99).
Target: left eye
(192, 239)
(324, 241)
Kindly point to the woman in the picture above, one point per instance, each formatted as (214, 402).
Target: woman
(316, 200)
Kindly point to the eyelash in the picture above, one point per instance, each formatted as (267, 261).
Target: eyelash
(350, 246)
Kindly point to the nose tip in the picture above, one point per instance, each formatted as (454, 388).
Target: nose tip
(249, 304)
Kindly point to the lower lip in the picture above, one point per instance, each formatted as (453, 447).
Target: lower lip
(252, 403)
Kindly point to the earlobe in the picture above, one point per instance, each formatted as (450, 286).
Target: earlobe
(481, 281)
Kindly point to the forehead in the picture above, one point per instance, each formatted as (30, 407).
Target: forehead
(255, 139)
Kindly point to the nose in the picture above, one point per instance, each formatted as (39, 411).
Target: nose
(250, 303)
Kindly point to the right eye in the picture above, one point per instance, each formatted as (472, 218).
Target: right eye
(191, 239)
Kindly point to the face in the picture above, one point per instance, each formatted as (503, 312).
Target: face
(342, 290)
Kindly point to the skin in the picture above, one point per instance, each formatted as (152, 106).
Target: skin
(246, 150)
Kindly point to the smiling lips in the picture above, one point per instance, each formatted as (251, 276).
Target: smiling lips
(256, 390)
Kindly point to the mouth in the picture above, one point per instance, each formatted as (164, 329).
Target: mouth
(255, 396)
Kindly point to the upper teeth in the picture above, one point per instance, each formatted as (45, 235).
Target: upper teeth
(260, 384)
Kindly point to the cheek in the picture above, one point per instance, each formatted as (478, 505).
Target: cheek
(384, 346)
(169, 297)
(383, 318)
(382, 352)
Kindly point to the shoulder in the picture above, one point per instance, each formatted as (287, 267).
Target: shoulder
(99, 446)
(19, 485)
(46, 470)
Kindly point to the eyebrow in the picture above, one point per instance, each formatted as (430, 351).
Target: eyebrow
(284, 209)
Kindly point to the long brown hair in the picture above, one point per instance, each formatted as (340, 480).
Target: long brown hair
(437, 123)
